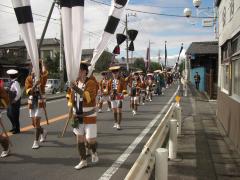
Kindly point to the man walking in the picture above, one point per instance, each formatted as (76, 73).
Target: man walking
(83, 100)
(104, 87)
(36, 102)
(4, 141)
(197, 80)
(14, 92)
(117, 90)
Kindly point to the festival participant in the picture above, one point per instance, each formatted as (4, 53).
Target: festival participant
(83, 100)
(117, 90)
(104, 92)
(4, 141)
(134, 84)
(37, 102)
(142, 96)
(14, 92)
(149, 86)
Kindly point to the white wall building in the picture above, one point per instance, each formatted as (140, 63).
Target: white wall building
(228, 110)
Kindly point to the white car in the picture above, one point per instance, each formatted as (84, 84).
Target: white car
(52, 86)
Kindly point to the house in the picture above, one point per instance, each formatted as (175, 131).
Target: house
(203, 58)
(14, 55)
(228, 106)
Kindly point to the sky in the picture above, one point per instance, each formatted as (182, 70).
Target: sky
(152, 28)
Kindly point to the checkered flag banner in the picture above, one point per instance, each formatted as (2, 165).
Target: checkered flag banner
(72, 12)
(24, 16)
(116, 10)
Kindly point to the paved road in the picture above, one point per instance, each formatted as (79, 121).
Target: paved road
(57, 156)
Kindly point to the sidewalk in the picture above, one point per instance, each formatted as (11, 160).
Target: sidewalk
(204, 152)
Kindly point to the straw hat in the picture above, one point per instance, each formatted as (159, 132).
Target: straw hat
(85, 62)
(12, 71)
(114, 68)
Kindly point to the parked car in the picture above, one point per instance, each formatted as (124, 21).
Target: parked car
(52, 86)
(66, 86)
(6, 82)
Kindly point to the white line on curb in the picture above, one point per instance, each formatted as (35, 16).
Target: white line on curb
(121, 159)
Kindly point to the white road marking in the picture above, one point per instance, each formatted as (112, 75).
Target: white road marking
(121, 159)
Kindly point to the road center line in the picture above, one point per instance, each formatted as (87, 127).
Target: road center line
(121, 159)
(26, 128)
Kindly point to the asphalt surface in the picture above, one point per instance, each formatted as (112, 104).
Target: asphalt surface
(204, 150)
(56, 158)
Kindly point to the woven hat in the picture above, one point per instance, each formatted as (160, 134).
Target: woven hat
(114, 68)
(12, 71)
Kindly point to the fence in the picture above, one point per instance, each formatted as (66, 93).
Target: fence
(143, 166)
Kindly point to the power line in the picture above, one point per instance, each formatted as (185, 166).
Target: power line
(36, 14)
(152, 13)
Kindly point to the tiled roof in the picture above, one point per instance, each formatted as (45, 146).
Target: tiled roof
(18, 44)
(208, 47)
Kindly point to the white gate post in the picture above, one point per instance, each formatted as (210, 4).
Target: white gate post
(179, 119)
(161, 165)
(173, 139)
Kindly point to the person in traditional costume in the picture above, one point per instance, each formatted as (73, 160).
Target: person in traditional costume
(4, 141)
(82, 96)
(149, 86)
(35, 89)
(142, 96)
(104, 93)
(14, 91)
(117, 91)
(134, 84)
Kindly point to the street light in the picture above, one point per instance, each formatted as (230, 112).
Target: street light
(197, 3)
(187, 12)
(210, 21)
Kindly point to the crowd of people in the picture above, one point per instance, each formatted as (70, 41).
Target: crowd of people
(84, 97)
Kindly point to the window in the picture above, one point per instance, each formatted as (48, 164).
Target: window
(236, 78)
(225, 77)
(236, 44)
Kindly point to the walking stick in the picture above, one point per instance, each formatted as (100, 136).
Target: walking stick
(5, 132)
(70, 113)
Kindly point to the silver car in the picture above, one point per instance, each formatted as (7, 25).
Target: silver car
(52, 86)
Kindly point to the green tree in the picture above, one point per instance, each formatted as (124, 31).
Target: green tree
(182, 66)
(139, 64)
(103, 62)
(52, 65)
(154, 66)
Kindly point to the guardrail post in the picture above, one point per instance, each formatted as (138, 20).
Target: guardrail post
(173, 139)
(179, 119)
(185, 89)
(161, 165)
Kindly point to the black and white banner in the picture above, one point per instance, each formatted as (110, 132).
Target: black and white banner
(72, 12)
(116, 10)
(23, 13)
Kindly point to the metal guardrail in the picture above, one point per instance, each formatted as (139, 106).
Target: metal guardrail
(143, 166)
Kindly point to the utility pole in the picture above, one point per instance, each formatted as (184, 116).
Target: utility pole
(45, 28)
(165, 54)
(61, 57)
(126, 28)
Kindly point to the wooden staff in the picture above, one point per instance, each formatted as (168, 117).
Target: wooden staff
(5, 132)
(70, 113)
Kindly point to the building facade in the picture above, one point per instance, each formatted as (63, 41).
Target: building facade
(203, 58)
(228, 108)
